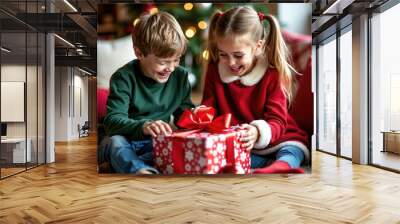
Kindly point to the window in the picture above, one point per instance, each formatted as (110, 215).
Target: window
(327, 97)
(385, 85)
(346, 94)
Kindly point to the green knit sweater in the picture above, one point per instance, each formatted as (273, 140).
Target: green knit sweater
(135, 99)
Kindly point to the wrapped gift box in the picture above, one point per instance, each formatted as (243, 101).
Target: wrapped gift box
(200, 152)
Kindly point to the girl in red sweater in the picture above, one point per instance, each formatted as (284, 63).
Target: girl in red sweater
(249, 76)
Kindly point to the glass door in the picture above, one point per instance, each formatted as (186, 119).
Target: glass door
(385, 89)
(326, 77)
(346, 93)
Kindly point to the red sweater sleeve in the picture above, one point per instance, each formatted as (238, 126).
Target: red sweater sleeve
(275, 110)
(209, 88)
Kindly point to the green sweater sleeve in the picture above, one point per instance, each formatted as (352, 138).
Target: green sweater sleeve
(117, 121)
(186, 102)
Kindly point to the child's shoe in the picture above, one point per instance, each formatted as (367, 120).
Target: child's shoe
(278, 167)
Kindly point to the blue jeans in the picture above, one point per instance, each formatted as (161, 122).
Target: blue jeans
(291, 154)
(127, 156)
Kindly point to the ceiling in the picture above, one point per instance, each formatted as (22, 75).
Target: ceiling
(76, 25)
(330, 15)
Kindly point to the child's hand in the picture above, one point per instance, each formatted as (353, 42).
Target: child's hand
(250, 137)
(155, 128)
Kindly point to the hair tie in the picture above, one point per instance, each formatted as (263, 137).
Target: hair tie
(261, 16)
(219, 14)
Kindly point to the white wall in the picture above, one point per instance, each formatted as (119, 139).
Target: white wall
(295, 17)
(62, 81)
(17, 73)
(82, 83)
(14, 73)
(80, 94)
(71, 93)
(111, 55)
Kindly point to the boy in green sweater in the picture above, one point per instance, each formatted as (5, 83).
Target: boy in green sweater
(145, 93)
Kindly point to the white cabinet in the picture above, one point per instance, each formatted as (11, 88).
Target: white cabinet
(15, 148)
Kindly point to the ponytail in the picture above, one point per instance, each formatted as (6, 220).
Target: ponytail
(277, 57)
(211, 45)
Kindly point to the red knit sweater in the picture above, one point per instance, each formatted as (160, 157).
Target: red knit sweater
(256, 98)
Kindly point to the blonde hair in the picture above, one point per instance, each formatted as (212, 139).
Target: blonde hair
(245, 20)
(159, 34)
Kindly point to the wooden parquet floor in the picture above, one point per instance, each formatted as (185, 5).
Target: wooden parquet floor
(71, 191)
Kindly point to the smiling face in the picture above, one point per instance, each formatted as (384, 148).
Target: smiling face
(237, 54)
(157, 68)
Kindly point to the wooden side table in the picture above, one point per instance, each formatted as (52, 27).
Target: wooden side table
(391, 141)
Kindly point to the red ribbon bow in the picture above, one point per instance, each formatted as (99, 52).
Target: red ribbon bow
(203, 118)
(261, 16)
